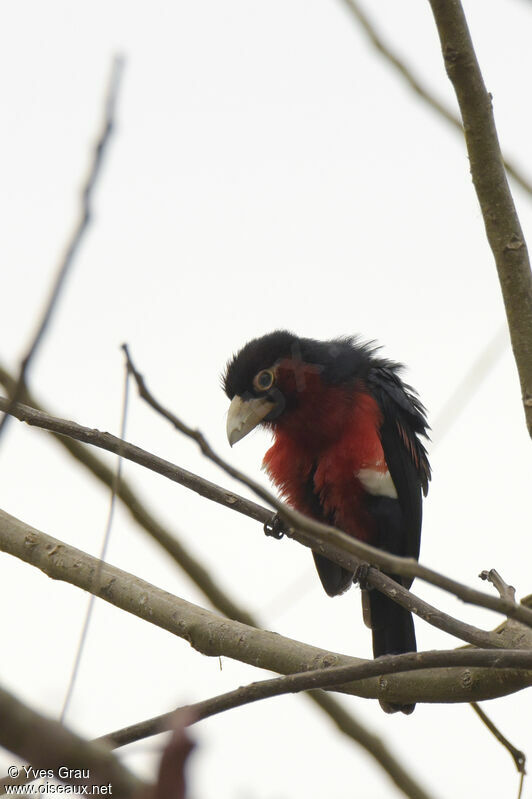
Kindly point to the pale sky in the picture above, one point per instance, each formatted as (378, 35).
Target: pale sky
(268, 170)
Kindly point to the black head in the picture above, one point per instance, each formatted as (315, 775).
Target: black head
(258, 354)
(338, 360)
(277, 375)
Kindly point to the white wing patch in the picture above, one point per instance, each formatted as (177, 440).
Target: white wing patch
(377, 483)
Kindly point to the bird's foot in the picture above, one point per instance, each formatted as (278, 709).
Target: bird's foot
(361, 576)
(274, 527)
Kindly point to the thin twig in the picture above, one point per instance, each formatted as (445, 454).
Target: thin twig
(415, 84)
(324, 678)
(502, 671)
(501, 221)
(432, 615)
(77, 236)
(343, 720)
(103, 550)
(327, 540)
(505, 591)
(518, 757)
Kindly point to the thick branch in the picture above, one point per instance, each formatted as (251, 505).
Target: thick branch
(502, 224)
(215, 636)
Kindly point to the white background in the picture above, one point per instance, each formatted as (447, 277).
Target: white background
(268, 170)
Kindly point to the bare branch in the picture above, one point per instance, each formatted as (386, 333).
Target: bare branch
(344, 721)
(430, 614)
(327, 540)
(518, 757)
(103, 549)
(325, 678)
(77, 236)
(492, 673)
(415, 84)
(502, 224)
(505, 591)
(46, 744)
(111, 443)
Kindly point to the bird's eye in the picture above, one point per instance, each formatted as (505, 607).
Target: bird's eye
(264, 380)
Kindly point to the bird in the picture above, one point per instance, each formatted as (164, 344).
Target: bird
(346, 451)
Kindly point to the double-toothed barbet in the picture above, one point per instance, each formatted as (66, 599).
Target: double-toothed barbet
(346, 451)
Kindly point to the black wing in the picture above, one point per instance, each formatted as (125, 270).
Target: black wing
(403, 422)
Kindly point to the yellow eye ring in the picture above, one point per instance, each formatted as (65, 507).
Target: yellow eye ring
(264, 380)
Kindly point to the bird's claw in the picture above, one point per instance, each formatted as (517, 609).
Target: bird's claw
(361, 576)
(274, 527)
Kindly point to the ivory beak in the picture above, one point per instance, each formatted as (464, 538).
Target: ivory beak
(244, 415)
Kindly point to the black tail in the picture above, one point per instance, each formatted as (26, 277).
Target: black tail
(393, 633)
